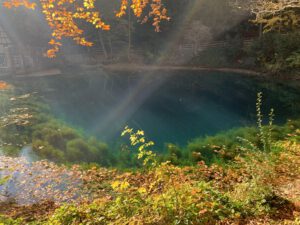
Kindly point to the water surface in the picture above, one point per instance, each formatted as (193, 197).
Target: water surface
(170, 106)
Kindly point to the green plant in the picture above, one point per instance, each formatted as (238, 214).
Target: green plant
(277, 53)
(9, 221)
(294, 60)
(138, 139)
(265, 132)
(252, 196)
(27, 121)
(3, 180)
(175, 155)
(223, 145)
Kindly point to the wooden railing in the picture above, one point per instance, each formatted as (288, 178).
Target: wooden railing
(214, 44)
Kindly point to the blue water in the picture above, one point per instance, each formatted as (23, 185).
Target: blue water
(170, 106)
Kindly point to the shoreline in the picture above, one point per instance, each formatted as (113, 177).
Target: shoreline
(137, 67)
(132, 67)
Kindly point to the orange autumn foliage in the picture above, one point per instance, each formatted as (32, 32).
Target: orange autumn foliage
(4, 85)
(17, 3)
(62, 16)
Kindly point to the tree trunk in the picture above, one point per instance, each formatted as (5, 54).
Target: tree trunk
(260, 30)
(129, 35)
(110, 48)
(103, 45)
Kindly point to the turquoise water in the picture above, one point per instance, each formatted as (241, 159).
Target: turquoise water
(170, 106)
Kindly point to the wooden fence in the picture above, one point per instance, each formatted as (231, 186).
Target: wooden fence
(214, 44)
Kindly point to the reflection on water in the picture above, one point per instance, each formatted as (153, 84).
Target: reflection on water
(170, 107)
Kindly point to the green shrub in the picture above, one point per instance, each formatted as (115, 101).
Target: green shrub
(228, 144)
(174, 154)
(277, 52)
(77, 150)
(210, 147)
(253, 197)
(46, 151)
(199, 204)
(8, 221)
(100, 152)
(50, 138)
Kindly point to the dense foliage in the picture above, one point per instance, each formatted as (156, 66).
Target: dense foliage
(25, 121)
(277, 53)
(252, 186)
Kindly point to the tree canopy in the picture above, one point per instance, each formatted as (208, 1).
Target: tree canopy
(276, 15)
(69, 18)
(65, 17)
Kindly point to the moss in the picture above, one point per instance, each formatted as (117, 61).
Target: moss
(11, 150)
(229, 144)
(46, 151)
(73, 146)
(209, 146)
(50, 138)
